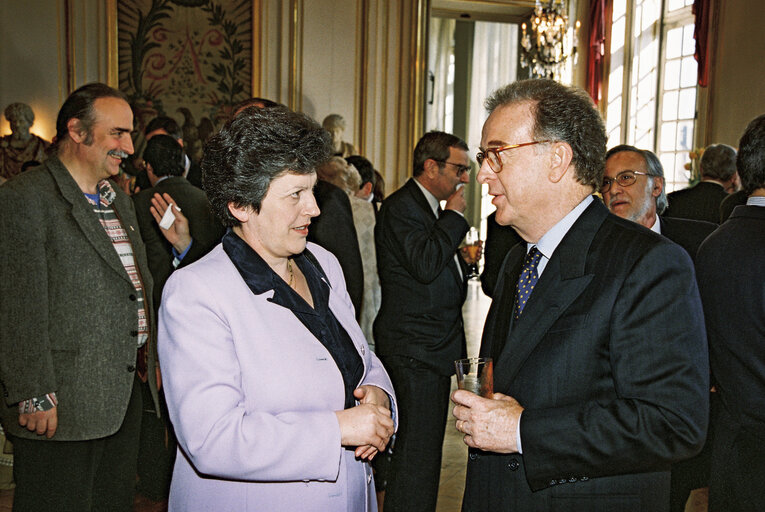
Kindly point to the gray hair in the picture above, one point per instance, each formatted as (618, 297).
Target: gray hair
(718, 162)
(653, 166)
(562, 113)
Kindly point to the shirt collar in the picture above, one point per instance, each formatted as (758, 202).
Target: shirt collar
(656, 228)
(432, 200)
(755, 201)
(550, 240)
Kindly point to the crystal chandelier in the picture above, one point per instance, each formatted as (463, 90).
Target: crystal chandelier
(544, 46)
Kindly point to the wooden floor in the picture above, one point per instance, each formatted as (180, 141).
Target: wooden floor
(452, 482)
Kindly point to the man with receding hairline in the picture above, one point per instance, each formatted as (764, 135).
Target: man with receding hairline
(601, 379)
(633, 189)
(76, 317)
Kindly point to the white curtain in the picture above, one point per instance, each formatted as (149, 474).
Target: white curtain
(495, 57)
(440, 79)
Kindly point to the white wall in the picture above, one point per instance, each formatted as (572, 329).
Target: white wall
(30, 61)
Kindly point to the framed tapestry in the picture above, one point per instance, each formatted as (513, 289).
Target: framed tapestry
(187, 59)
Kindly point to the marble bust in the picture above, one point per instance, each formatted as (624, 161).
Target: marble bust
(20, 146)
(335, 125)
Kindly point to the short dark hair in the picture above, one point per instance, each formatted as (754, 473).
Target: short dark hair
(256, 147)
(434, 145)
(751, 156)
(653, 165)
(165, 156)
(379, 190)
(562, 113)
(718, 162)
(164, 123)
(365, 168)
(79, 105)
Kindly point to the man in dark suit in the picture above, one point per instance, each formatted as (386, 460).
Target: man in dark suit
(731, 279)
(418, 330)
(76, 315)
(729, 204)
(163, 158)
(367, 173)
(333, 229)
(633, 189)
(718, 179)
(601, 373)
(164, 125)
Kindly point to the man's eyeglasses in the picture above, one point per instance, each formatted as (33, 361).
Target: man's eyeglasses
(461, 169)
(624, 179)
(492, 154)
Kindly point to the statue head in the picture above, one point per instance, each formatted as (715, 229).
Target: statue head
(335, 125)
(21, 118)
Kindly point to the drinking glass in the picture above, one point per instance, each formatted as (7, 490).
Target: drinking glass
(473, 246)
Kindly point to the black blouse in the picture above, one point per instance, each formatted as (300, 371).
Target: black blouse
(320, 320)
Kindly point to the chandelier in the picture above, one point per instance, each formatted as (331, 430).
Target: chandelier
(544, 47)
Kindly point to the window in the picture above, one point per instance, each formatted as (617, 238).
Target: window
(651, 100)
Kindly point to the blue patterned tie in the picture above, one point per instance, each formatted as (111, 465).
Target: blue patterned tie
(527, 281)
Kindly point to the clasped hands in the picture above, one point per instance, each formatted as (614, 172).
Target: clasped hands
(488, 424)
(368, 426)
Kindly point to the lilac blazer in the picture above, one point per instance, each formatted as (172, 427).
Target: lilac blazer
(252, 395)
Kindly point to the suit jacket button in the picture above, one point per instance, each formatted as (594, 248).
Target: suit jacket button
(584, 478)
(553, 482)
(572, 479)
(562, 481)
(134, 333)
(514, 465)
(130, 368)
(473, 456)
(132, 297)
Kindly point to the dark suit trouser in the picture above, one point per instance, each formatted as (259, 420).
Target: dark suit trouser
(423, 403)
(157, 448)
(738, 467)
(95, 475)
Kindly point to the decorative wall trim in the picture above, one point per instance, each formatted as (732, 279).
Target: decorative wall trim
(295, 79)
(361, 73)
(257, 46)
(112, 63)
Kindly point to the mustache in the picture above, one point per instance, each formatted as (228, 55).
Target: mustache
(614, 200)
(117, 153)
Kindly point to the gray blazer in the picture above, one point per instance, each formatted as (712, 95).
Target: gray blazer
(68, 319)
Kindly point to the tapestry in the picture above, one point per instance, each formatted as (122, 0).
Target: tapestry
(187, 59)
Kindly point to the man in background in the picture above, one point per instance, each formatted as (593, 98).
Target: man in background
(734, 309)
(718, 179)
(163, 160)
(419, 330)
(76, 316)
(633, 189)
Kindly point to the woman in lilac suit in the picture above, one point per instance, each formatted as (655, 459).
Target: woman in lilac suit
(277, 402)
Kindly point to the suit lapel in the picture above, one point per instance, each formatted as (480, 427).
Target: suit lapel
(563, 280)
(82, 212)
(422, 202)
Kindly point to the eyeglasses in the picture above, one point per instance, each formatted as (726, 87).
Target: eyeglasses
(461, 169)
(624, 179)
(492, 154)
